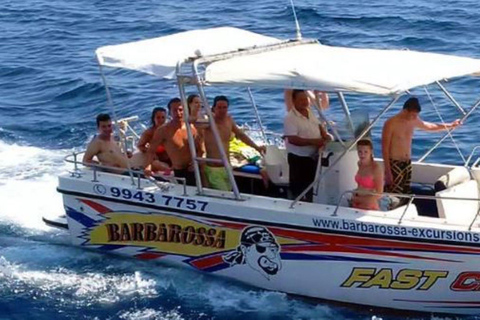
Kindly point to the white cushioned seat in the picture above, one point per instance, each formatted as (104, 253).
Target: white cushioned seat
(276, 164)
(458, 211)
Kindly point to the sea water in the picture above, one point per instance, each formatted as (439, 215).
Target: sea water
(51, 90)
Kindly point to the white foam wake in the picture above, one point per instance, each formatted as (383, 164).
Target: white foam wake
(28, 184)
(69, 287)
(151, 314)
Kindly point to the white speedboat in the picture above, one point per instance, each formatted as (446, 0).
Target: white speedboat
(399, 258)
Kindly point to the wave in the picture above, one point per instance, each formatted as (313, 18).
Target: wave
(84, 90)
(28, 185)
(151, 314)
(68, 287)
(13, 71)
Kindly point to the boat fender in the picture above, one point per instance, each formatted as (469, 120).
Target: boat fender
(452, 178)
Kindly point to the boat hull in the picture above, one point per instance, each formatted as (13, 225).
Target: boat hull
(274, 255)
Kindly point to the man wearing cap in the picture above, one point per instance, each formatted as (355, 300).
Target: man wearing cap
(397, 138)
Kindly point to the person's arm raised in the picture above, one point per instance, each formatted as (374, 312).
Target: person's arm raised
(321, 99)
(433, 127)
(287, 94)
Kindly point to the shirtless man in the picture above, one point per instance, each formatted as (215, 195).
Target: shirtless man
(397, 137)
(173, 136)
(216, 175)
(104, 147)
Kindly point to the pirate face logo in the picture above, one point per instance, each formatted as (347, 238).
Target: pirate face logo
(259, 250)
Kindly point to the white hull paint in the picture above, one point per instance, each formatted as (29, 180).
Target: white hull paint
(353, 257)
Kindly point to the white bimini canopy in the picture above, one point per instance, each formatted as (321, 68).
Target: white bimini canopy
(159, 56)
(309, 65)
(334, 69)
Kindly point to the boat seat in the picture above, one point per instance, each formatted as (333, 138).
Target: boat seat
(425, 207)
(276, 164)
(476, 175)
(458, 211)
(452, 178)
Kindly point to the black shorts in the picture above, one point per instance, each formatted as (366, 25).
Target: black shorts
(302, 174)
(189, 176)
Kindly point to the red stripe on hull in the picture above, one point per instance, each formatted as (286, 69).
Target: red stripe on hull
(149, 256)
(96, 206)
(207, 262)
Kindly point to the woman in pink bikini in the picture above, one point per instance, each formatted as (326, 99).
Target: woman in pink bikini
(369, 178)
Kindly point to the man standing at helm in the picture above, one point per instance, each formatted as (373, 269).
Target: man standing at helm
(304, 137)
(397, 138)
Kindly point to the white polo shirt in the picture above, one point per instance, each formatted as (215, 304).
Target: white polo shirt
(296, 124)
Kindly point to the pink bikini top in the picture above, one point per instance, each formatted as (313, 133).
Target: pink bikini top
(366, 182)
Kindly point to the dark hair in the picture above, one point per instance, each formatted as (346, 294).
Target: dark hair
(154, 112)
(295, 92)
(103, 117)
(365, 142)
(172, 101)
(220, 98)
(412, 104)
(191, 97)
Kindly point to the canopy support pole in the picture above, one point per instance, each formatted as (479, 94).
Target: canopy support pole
(191, 140)
(450, 97)
(297, 25)
(115, 118)
(213, 127)
(448, 133)
(334, 130)
(257, 115)
(346, 110)
(318, 178)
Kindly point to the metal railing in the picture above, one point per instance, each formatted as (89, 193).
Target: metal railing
(467, 162)
(410, 198)
(138, 174)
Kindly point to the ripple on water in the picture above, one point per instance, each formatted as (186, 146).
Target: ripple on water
(50, 92)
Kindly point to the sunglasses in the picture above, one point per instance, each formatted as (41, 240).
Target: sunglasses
(262, 249)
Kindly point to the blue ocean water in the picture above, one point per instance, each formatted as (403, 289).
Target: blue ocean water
(50, 91)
